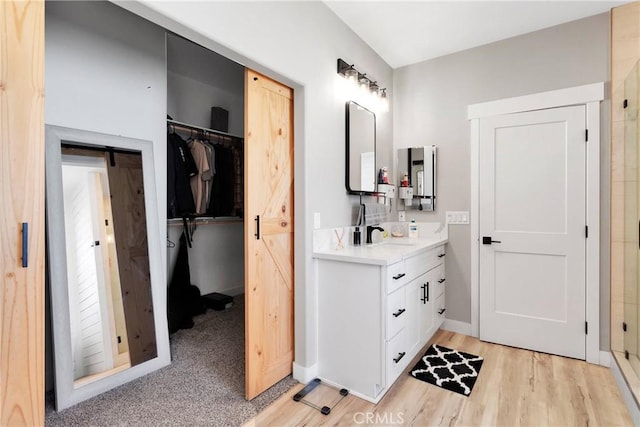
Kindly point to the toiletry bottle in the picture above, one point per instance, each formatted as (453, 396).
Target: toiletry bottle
(413, 229)
(356, 236)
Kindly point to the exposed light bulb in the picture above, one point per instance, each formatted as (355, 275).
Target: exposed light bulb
(351, 74)
(364, 84)
(384, 101)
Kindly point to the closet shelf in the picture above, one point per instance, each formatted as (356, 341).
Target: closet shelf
(207, 220)
(188, 127)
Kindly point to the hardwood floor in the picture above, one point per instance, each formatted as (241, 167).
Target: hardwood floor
(515, 388)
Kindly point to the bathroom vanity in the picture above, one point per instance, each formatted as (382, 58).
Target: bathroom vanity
(378, 306)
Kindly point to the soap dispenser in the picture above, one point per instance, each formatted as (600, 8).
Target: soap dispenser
(413, 229)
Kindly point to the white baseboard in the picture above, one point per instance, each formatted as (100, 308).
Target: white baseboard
(605, 358)
(304, 374)
(628, 398)
(456, 326)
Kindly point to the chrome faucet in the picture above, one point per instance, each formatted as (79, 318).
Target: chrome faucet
(370, 229)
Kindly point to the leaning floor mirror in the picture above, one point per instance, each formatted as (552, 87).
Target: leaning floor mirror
(108, 297)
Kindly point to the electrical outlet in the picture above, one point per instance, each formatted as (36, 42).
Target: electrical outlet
(457, 217)
(401, 216)
(316, 220)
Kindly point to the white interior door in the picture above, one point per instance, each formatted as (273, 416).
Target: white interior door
(532, 205)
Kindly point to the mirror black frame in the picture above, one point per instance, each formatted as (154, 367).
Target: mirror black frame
(409, 166)
(348, 145)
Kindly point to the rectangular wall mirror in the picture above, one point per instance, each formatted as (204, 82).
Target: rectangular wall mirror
(360, 149)
(419, 163)
(108, 302)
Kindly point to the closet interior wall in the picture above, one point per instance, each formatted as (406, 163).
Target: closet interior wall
(197, 80)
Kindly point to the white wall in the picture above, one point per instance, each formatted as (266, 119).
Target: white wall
(431, 100)
(216, 261)
(190, 101)
(297, 43)
(199, 79)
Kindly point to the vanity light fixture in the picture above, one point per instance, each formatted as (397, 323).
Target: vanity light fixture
(351, 74)
(364, 83)
(384, 101)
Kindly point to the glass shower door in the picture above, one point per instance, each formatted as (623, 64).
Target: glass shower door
(632, 220)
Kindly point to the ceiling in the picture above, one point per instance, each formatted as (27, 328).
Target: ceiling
(406, 32)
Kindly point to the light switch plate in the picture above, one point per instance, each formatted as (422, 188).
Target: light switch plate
(401, 216)
(316, 220)
(457, 217)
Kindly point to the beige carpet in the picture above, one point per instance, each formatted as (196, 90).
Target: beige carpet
(203, 386)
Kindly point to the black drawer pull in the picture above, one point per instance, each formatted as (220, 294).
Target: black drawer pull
(441, 280)
(442, 311)
(400, 356)
(399, 276)
(399, 312)
(441, 255)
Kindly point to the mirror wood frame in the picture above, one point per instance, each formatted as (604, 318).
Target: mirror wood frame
(66, 394)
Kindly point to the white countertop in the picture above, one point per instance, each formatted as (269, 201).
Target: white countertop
(387, 252)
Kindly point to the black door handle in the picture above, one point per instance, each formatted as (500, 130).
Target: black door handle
(25, 244)
(425, 293)
(486, 240)
(399, 312)
(257, 233)
(400, 356)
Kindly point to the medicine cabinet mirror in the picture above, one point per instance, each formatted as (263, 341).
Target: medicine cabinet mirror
(360, 149)
(419, 165)
(108, 308)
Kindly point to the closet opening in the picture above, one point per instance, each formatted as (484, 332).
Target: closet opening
(211, 215)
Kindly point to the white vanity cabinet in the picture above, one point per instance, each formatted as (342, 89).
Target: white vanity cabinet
(374, 318)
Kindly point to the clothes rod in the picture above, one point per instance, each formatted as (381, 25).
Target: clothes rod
(187, 127)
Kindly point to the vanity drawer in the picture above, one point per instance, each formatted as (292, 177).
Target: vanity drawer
(435, 257)
(417, 265)
(396, 276)
(440, 281)
(441, 310)
(396, 312)
(397, 356)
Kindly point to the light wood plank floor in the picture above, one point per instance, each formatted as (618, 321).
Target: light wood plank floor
(515, 388)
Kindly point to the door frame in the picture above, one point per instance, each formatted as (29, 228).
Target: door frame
(589, 95)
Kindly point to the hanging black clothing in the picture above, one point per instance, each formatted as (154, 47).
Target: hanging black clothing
(181, 167)
(222, 187)
(183, 298)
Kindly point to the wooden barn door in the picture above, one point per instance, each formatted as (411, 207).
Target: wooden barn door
(268, 232)
(130, 226)
(22, 213)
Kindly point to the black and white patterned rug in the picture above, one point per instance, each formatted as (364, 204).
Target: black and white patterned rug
(450, 369)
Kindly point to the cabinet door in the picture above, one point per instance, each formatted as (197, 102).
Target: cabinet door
(414, 311)
(22, 214)
(426, 301)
